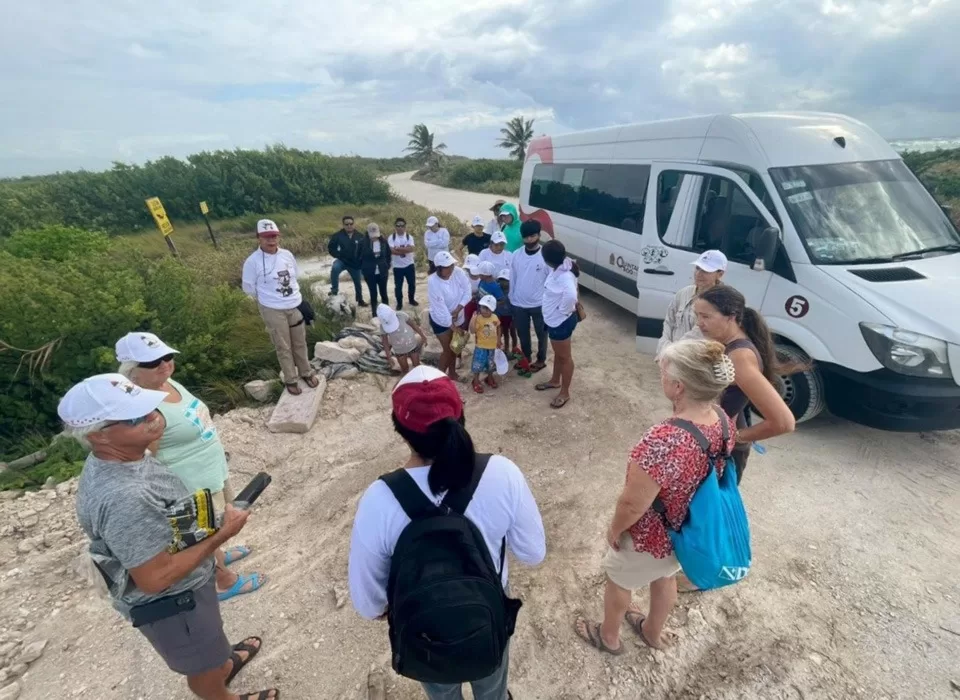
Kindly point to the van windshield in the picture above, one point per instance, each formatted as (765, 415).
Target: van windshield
(867, 212)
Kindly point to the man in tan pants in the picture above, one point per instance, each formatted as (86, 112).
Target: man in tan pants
(270, 277)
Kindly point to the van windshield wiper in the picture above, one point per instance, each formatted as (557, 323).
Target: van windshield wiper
(913, 255)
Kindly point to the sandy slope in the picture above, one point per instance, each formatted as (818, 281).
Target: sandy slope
(856, 542)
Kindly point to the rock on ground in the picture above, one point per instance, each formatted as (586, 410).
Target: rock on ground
(354, 342)
(10, 692)
(32, 652)
(297, 414)
(259, 390)
(331, 352)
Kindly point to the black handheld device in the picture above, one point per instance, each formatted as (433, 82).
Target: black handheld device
(251, 492)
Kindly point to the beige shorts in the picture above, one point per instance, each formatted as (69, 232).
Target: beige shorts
(631, 569)
(222, 498)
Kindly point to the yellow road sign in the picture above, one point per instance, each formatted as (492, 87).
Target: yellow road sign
(204, 209)
(159, 215)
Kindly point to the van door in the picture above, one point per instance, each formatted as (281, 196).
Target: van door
(690, 209)
(619, 207)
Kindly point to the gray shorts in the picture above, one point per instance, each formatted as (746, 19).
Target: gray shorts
(192, 642)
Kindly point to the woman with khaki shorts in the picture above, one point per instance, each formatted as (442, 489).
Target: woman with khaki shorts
(190, 445)
(667, 465)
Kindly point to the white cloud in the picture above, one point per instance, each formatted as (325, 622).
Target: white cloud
(96, 82)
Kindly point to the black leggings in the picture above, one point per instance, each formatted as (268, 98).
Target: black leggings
(375, 284)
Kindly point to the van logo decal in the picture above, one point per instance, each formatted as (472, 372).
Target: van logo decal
(654, 254)
(625, 265)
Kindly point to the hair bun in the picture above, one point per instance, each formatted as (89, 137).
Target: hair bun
(724, 371)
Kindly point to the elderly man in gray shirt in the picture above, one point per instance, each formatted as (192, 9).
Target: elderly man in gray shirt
(160, 578)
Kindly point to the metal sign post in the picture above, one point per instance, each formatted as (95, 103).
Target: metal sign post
(205, 210)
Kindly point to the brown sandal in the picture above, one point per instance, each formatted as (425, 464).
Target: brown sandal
(594, 639)
(261, 695)
(294, 389)
(311, 381)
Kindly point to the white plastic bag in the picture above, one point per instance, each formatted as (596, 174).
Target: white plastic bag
(500, 360)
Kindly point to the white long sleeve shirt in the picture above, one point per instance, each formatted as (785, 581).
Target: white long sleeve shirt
(500, 260)
(272, 279)
(502, 506)
(436, 241)
(444, 295)
(528, 273)
(492, 226)
(559, 297)
(680, 319)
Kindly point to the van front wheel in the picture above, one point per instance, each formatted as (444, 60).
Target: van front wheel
(803, 391)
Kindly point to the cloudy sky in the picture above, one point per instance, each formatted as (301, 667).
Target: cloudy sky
(85, 83)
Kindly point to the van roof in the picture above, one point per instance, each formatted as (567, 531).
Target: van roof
(778, 138)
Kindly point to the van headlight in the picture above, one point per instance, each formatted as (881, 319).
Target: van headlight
(906, 352)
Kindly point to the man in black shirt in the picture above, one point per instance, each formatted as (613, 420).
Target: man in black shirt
(344, 247)
(477, 240)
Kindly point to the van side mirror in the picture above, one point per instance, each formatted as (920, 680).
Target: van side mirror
(766, 248)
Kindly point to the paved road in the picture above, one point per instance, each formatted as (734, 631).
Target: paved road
(463, 204)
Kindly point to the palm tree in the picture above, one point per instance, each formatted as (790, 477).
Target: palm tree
(421, 146)
(516, 136)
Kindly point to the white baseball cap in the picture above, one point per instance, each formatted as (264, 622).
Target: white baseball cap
(433, 221)
(489, 302)
(419, 375)
(107, 397)
(497, 237)
(711, 261)
(487, 268)
(472, 259)
(478, 221)
(266, 226)
(443, 259)
(388, 318)
(504, 274)
(140, 346)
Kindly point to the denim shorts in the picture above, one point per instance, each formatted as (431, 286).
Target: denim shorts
(438, 329)
(565, 329)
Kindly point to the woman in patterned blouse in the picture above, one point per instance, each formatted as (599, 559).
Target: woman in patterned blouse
(669, 464)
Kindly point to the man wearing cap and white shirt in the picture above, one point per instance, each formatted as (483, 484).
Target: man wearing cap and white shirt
(403, 245)
(437, 240)
(497, 253)
(681, 320)
(427, 411)
(477, 240)
(528, 275)
(494, 224)
(270, 277)
(159, 578)
(448, 291)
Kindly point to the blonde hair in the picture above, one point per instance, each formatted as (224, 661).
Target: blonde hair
(701, 366)
(128, 369)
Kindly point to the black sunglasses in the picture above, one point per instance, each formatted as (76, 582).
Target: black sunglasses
(153, 364)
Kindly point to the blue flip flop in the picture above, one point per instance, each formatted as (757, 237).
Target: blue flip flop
(235, 554)
(236, 588)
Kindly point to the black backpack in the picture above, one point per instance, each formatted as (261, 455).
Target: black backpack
(450, 619)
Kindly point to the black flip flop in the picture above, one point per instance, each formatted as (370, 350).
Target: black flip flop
(546, 386)
(594, 639)
(261, 695)
(239, 663)
(559, 403)
(294, 389)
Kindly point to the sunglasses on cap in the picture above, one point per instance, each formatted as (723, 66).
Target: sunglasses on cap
(153, 364)
(130, 421)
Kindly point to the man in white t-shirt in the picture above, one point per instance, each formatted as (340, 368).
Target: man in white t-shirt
(494, 224)
(428, 415)
(270, 277)
(402, 245)
(528, 275)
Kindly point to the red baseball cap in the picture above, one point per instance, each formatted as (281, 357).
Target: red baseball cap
(423, 397)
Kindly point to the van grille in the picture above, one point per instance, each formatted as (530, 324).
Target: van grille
(888, 274)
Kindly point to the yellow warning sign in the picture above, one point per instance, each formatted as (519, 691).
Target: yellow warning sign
(204, 209)
(159, 215)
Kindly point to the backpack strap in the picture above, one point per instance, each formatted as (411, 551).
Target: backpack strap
(459, 500)
(413, 501)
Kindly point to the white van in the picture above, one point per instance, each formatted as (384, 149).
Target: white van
(828, 233)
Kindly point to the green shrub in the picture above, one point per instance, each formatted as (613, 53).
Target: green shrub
(483, 175)
(56, 243)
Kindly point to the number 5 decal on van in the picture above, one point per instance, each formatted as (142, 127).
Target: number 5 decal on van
(797, 306)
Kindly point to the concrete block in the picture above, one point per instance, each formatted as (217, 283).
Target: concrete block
(259, 390)
(297, 414)
(331, 352)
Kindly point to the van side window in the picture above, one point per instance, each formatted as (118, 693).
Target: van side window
(612, 195)
(727, 221)
(668, 187)
(756, 184)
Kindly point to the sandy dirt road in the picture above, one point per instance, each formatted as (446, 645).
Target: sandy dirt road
(856, 546)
